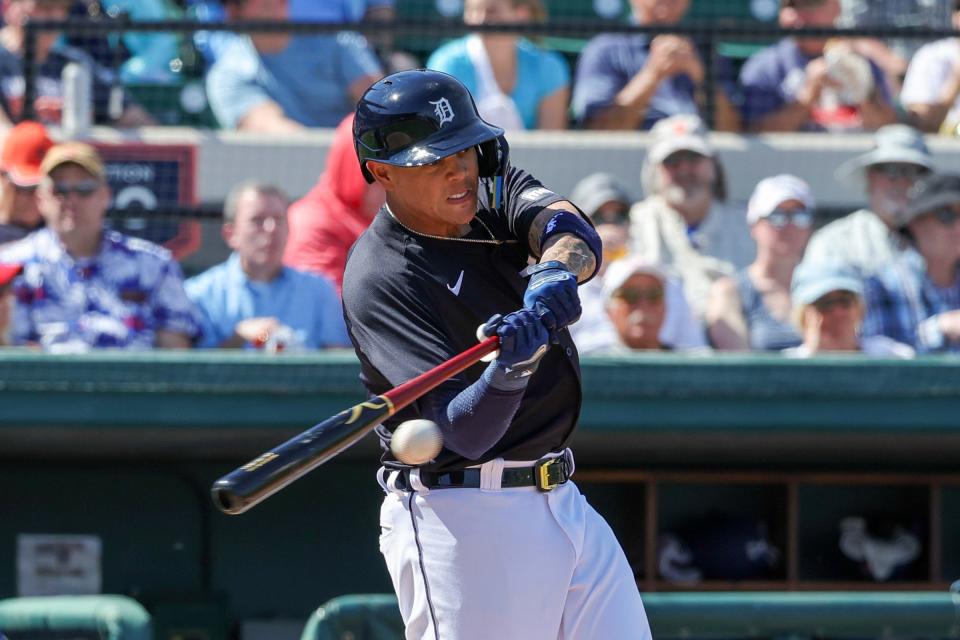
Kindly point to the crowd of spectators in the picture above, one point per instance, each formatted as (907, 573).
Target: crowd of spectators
(281, 81)
(684, 268)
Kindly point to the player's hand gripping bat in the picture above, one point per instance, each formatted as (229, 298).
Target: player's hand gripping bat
(266, 474)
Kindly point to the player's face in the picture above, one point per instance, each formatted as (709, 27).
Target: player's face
(73, 202)
(437, 199)
(259, 232)
(637, 310)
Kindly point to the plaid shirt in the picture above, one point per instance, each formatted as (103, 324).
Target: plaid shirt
(119, 298)
(902, 303)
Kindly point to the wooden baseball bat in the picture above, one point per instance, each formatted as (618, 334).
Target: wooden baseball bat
(266, 474)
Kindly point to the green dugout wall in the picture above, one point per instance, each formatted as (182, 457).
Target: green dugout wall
(123, 447)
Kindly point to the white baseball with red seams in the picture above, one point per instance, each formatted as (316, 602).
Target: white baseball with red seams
(416, 442)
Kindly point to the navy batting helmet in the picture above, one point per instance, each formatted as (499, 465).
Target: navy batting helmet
(420, 116)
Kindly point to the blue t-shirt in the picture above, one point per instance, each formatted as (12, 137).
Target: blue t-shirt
(333, 10)
(608, 63)
(308, 79)
(772, 77)
(539, 74)
(305, 302)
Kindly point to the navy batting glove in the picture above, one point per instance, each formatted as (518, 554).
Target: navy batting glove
(552, 294)
(523, 340)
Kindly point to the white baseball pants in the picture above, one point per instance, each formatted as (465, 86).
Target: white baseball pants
(515, 563)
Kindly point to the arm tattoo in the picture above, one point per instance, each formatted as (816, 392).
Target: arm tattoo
(572, 252)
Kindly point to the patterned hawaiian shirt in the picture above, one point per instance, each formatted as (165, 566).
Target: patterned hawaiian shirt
(119, 298)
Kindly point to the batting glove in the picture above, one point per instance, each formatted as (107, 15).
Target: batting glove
(523, 341)
(552, 295)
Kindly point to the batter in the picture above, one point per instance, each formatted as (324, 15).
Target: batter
(491, 539)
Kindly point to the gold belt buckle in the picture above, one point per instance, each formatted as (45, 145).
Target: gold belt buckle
(542, 473)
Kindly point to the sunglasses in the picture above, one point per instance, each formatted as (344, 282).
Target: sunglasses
(84, 188)
(946, 216)
(800, 218)
(679, 157)
(633, 296)
(843, 300)
(899, 170)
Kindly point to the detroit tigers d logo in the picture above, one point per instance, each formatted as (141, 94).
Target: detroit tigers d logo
(443, 110)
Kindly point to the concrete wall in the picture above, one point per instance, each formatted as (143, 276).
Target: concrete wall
(558, 159)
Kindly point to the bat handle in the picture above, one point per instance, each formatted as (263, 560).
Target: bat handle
(409, 391)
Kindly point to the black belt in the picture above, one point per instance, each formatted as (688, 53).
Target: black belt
(546, 475)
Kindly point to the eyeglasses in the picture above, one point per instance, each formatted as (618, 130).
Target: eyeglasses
(84, 188)
(842, 299)
(679, 157)
(946, 216)
(800, 218)
(633, 296)
(895, 170)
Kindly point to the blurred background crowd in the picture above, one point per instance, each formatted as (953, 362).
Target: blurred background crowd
(685, 268)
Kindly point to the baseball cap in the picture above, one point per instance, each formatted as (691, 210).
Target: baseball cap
(930, 193)
(682, 132)
(814, 279)
(79, 153)
(891, 143)
(622, 270)
(771, 192)
(597, 189)
(8, 272)
(23, 150)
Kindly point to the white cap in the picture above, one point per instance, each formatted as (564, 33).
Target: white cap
(771, 192)
(619, 271)
(683, 132)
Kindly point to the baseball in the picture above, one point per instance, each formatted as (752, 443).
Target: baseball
(416, 442)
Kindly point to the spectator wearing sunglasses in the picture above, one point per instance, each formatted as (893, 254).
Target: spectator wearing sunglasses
(86, 287)
(20, 158)
(916, 298)
(828, 309)
(684, 222)
(867, 239)
(607, 203)
(645, 311)
(751, 310)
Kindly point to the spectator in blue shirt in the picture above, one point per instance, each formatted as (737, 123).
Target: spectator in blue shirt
(630, 81)
(213, 43)
(516, 84)
(252, 300)
(278, 82)
(86, 287)
(802, 84)
(916, 298)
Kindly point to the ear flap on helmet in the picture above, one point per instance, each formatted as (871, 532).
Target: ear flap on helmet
(493, 158)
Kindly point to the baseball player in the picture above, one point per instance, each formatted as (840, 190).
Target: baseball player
(491, 539)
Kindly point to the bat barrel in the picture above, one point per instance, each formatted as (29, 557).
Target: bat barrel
(266, 474)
